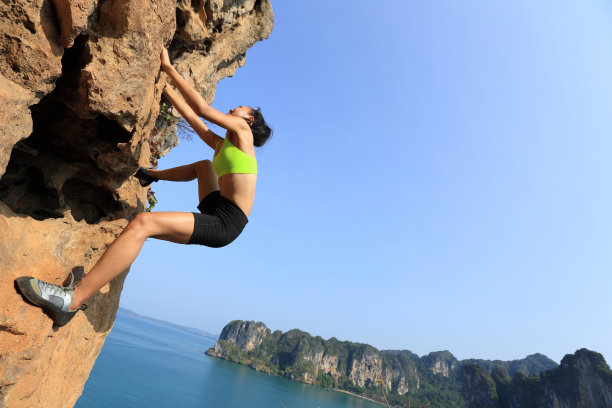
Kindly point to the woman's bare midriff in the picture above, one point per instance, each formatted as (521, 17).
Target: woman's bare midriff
(240, 189)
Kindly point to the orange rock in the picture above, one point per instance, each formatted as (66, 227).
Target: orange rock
(73, 17)
(76, 124)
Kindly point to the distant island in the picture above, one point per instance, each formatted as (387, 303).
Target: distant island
(164, 323)
(402, 378)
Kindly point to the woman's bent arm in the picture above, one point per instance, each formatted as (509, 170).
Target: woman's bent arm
(208, 136)
(197, 102)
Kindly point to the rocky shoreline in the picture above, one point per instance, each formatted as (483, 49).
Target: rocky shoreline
(582, 379)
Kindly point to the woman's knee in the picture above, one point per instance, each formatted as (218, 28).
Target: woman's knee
(207, 178)
(142, 224)
(204, 165)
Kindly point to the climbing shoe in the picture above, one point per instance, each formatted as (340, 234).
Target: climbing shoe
(144, 177)
(55, 300)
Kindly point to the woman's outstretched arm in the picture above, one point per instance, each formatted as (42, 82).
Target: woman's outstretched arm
(208, 136)
(197, 102)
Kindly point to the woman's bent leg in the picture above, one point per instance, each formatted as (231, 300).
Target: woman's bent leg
(202, 170)
(207, 178)
(170, 226)
(181, 173)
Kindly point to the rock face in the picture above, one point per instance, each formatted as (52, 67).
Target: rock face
(366, 369)
(244, 335)
(80, 93)
(441, 362)
(401, 377)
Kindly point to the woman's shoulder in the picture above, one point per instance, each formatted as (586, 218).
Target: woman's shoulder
(242, 140)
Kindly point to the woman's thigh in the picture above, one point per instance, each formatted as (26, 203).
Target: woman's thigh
(207, 178)
(169, 226)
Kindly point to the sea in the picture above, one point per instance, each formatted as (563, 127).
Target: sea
(145, 364)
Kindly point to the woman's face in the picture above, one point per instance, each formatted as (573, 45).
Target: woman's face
(242, 111)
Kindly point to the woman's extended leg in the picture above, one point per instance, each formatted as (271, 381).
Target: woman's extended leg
(170, 226)
(61, 303)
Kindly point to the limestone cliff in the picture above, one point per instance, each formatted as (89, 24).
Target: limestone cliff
(441, 362)
(80, 93)
(399, 376)
(244, 335)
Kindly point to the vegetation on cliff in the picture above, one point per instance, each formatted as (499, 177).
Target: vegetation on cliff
(582, 380)
(396, 377)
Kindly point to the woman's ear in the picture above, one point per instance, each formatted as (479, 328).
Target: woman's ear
(250, 120)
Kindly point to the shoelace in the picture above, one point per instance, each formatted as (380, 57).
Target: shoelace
(56, 288)
(71, 285)
(60, 290)
(52, 289)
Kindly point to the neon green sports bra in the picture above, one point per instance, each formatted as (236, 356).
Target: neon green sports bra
(231, 159)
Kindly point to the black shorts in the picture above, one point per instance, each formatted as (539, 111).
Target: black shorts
(219, 224)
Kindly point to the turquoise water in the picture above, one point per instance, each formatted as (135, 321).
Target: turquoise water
(146, 365)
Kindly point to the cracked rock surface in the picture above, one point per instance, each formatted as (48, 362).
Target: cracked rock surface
(80, 92)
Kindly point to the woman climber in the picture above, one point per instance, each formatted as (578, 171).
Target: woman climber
(226, 188)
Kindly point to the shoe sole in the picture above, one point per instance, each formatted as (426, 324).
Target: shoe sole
(59, 317)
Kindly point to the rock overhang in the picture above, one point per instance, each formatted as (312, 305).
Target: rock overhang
(79, 96)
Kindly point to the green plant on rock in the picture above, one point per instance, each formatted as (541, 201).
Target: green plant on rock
(164, 112)
(151, 200)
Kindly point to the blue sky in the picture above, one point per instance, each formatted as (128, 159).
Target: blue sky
(438, 179)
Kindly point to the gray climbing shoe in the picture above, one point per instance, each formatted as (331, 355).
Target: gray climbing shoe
(54, 300)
